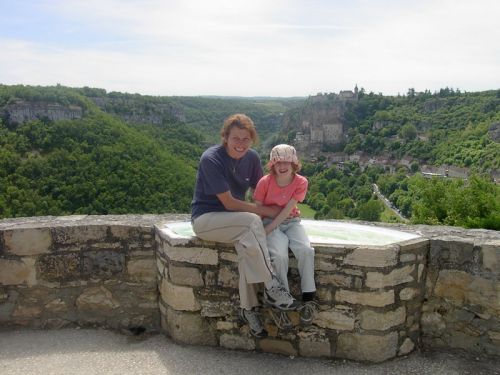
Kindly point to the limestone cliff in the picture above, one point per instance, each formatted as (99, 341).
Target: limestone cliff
(21, 111)
(134, 111)
(319, 122)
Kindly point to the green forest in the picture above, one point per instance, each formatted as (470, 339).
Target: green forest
(348, 194)
(129, 153)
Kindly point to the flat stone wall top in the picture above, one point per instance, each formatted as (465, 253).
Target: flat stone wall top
(76, 220)
(428, 231)
(436, 231)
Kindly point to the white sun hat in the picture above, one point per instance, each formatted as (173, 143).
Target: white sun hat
(282, 152)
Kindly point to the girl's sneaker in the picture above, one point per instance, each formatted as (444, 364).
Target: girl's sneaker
(281, 319)
(308, 311)
(252, 317)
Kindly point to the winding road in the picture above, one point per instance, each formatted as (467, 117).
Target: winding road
(388, 203)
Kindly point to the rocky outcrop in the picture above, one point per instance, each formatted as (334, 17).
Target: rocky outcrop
(494, 131)
(22, 111)
(132, 111)
(319, 122)
(127, 109)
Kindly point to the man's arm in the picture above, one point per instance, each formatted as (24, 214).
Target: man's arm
(232, 204)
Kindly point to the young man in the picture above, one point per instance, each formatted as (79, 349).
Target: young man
(220, 213)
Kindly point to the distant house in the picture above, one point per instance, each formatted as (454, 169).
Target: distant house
(347, 94)
(406, 162)
(355, 157)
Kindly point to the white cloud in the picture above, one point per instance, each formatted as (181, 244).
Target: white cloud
(264, 47)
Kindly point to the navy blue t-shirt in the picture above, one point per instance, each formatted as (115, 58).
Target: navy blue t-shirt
(218, 173)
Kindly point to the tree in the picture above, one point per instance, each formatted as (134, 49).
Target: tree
(408, 132)
(371, 210)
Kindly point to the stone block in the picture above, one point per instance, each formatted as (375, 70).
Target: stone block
(60, 267)
(408, 294)
(185, 276)
(210, 278)
(421, 268)
(314, 348)
(376, 299)
(223, 325)
(96, 299)
(277, 346)
(461, 340)
(102, 263)
(382, 321)
(18, 272)
(377, 280)
(161, 266)
(430, 282)
(432, 323)
(490, 252)
(324, 295)
(77, 234)
(128, 232)
(321, 264)
(23, 312)
(215, 309)
(194, 255)
(450, 249)
(230, 257)
(494, 336)
(30, 241)
(406, 258)
(189, 328)
(104, 246)
(367, 347)
(178, 297)
(142, 270)
(335, 279)
(334, 319)
(228, 278)
(419, 245)
(461, 288)
(406, 347)
(236, 342)
(56, 306)
(373, 256)
(352, 271)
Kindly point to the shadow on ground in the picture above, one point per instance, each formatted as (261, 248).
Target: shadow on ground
(88, 351)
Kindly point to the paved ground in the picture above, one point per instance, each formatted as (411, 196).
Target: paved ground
(74, 352)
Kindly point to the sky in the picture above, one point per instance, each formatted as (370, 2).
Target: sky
(251, 47)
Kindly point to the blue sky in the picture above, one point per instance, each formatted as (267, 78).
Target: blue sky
(251, 48)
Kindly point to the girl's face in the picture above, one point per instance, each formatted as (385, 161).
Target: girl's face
(283, 168)
(238, 142)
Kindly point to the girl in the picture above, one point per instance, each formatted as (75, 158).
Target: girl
(283, 186)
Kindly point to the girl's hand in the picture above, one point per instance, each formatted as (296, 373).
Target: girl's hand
(269, 228)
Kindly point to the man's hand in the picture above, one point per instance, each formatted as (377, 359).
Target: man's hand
(270, 211)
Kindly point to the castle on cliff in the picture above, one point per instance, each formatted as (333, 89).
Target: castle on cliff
(321, 121)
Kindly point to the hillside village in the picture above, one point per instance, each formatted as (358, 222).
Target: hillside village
(321, 125)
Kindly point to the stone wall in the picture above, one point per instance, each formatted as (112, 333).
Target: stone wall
(462, 301)
(376, 303)
(370, 299)
(78, 271)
